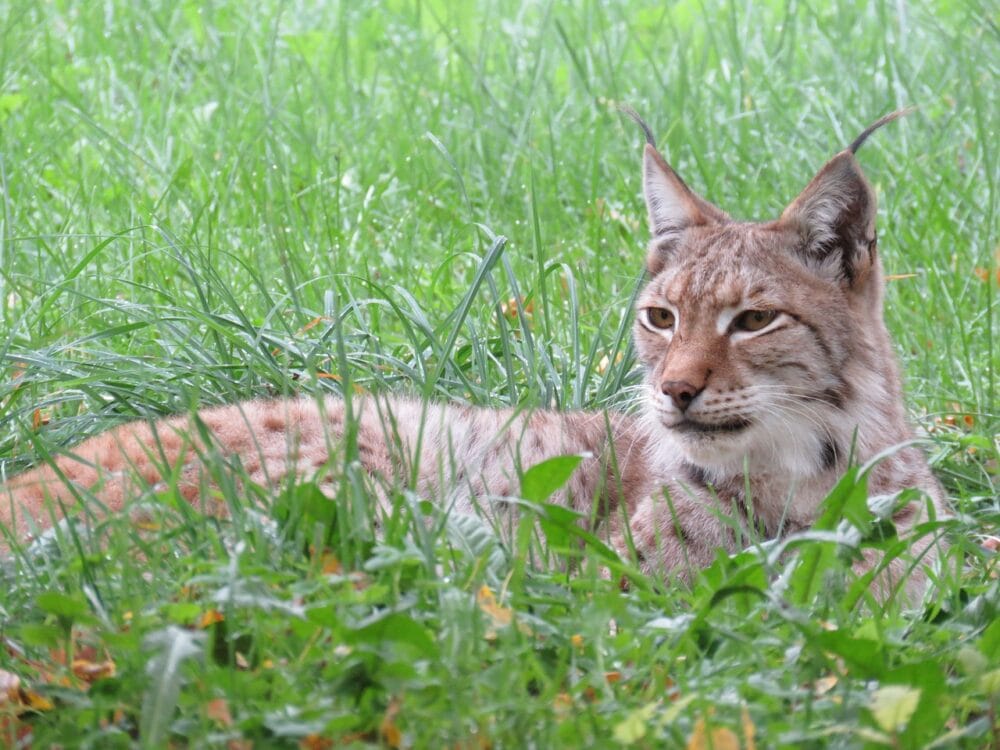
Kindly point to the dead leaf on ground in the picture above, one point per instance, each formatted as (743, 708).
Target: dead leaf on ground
(217, 710)
(90, 671)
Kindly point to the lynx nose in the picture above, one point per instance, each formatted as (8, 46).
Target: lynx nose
(681, 392)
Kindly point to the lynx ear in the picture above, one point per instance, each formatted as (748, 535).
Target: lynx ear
(672, 205)
(835, 216)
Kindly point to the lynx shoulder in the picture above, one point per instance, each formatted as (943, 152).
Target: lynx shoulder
(767, 369)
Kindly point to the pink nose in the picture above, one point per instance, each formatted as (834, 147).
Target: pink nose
(681, 392)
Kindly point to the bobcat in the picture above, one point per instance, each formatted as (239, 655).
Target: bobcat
(768, 368)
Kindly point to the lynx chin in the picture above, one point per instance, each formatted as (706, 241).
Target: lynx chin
(767, 366)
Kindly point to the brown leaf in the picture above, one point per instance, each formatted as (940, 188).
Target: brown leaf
(719, 738)
(315, 742)
(89, 671)
(749, 730)
(387, 729)
(331, 565)
(511, 306)
(217, 710)
(501, 616)
(209, 618)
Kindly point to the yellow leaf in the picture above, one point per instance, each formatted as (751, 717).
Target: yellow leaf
(605, 363)
(500, 615)
(34, 701)
(577, 640)
(893, 706)
(562, 704)
(633, 727)
(387, 729)
(89, 671)
(331, 565)
(719, 738)
(749, 730)
(990, 683)
(824, 685)
(209, 618)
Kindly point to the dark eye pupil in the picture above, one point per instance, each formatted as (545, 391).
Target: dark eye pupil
(661, 317)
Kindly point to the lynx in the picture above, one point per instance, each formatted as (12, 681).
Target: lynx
(767, 370)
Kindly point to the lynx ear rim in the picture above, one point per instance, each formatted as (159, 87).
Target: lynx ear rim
(835, 215)
(671, 204)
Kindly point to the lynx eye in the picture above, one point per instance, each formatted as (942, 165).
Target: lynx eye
(754, 320)
(660, 317)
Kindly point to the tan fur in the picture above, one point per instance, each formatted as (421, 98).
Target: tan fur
(726, 410)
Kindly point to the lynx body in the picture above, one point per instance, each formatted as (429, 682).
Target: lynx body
(767, 368)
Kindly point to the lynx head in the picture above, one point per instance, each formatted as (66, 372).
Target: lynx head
(763, 342)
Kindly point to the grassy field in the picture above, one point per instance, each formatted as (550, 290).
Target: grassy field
(208, 202)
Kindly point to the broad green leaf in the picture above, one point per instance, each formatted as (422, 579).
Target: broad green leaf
(41, 635)
(61, 605)
(864, 655)
(543, 479)
(394, 627)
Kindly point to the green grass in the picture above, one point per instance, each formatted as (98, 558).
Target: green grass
(203, 203)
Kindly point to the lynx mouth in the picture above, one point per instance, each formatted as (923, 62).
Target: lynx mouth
(691, 426)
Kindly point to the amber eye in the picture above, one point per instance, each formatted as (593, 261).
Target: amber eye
(660, 317)
(754, 320)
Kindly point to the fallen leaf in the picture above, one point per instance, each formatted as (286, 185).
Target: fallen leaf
(718, 738)
(89, 671)
(387, 729)
(501, 616)
(633, 727)
(315, 742)
(511, 307)
(217, 710)
(210, 617)
(605, 362)
(34, 701)
(749, 730)
(331, 565)
(562, 704)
